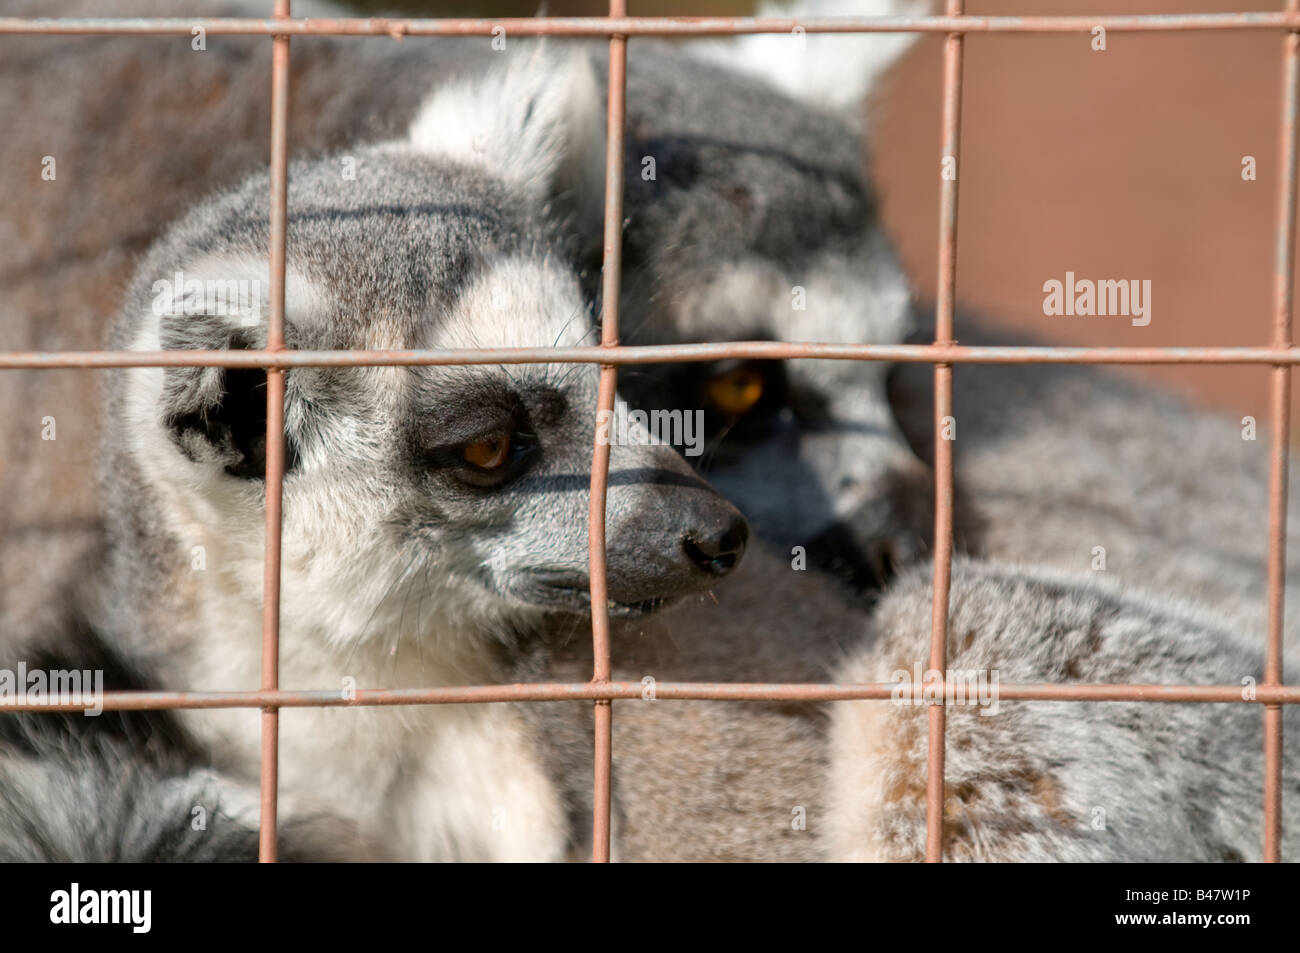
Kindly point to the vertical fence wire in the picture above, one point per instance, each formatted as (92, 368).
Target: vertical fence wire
(1284, 290)
(270, 757)
(943, 478)
(611, 267)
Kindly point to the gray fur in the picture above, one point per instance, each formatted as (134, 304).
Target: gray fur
(1052, 462)
(102, 804)
(397, 572)
(140, 128)
(128, 786)
(1036, 781)
(1064, 781)
(389, 544)
(1126, 464)
(706, 780)
(767, 228)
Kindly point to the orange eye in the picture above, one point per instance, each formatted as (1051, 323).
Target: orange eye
(736, 392)
(490, 452)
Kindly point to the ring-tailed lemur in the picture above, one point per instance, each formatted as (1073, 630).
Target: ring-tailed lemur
(433, 518)
(733, 222)
(750, 216)
(107, 140)
(89, 200)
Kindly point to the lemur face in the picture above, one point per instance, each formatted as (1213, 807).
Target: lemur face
(758, 223)
(808, 449)
(466, 488)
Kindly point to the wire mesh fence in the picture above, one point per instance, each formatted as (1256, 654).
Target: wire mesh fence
(943, 353)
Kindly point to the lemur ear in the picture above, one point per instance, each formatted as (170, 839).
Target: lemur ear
(535, 118)
(215, 415)
(830, 70)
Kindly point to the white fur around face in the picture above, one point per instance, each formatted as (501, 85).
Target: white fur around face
(837, 299)
(520, 302)
(241, 284)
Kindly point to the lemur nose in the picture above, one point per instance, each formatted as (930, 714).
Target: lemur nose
(719, 553)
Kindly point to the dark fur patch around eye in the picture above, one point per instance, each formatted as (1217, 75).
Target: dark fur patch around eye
(454, 411)
(663, 387)
(447, 415)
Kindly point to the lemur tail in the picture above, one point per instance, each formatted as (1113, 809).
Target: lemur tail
(836, 71)
(134, 786)
(103, 803)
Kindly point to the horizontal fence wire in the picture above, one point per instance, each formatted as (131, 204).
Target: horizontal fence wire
(654, 354)
(943, 353)
(648, 26)
(678, 691)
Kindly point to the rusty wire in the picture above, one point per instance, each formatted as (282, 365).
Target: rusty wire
(1284, 295)
(270, 759)
(655, 354)
(611, 275)
(694, 691)
(648, 26)
(943, 353)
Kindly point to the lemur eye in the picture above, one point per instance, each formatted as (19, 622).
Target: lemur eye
(737, 391)
(490, 452)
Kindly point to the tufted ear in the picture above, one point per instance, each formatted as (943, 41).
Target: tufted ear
(217, 415)
(835, 70)
(535, 117)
